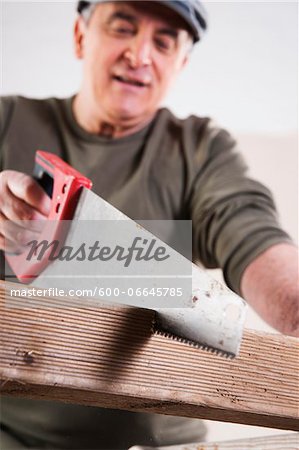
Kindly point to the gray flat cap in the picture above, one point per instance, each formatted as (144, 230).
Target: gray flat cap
(192, 11)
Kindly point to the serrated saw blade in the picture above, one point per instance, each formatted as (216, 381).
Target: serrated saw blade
(211, 318)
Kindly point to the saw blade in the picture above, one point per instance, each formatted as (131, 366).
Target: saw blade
(194, 344)
(211, 315)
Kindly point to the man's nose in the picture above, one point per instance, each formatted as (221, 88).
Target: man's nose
(139, 52)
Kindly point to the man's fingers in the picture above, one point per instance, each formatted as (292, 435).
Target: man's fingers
(17, 210)
(15, 236)
(27, 189)
(21, 198)
(24, 208)
(20, 232)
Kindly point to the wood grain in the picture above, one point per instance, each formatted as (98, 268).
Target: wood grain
(109, 357)
(278, 442)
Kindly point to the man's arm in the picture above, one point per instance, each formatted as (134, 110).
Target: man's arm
(235, 227)
(270, 285)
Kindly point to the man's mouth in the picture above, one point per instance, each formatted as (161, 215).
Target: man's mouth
(131, 81)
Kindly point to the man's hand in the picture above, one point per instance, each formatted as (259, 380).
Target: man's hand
(270, 285)
(24, 206)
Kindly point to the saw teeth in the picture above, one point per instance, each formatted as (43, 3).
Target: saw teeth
(191, 343)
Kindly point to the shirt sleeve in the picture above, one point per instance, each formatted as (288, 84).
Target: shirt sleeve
(234, 217)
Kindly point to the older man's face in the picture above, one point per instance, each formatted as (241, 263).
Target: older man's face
(132, 52)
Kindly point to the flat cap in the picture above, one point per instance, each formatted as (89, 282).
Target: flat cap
(192, 11)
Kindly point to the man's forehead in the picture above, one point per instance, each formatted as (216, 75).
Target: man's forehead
(153, 9)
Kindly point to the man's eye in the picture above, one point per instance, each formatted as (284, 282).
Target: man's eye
(121, 28)
(165, 45)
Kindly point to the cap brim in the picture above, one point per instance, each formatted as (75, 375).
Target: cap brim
(184, 15)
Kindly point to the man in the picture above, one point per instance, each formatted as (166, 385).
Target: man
(150, 165)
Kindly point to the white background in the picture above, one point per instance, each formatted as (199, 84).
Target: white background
(243, 74)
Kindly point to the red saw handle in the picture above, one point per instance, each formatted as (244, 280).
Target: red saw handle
(63, 184)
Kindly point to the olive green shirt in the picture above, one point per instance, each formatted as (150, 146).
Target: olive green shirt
(171, 169)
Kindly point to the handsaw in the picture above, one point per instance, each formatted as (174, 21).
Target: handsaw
(210, 316)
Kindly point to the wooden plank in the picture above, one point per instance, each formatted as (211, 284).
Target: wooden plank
(109, 357)
(288, 441)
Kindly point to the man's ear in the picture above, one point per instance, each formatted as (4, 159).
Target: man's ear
(187, 55)
(183, 62)
(79, 34)
(186, 60)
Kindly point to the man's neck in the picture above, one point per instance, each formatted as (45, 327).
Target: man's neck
(94, 124)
